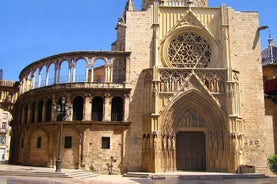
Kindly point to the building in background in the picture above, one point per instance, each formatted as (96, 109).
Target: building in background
(181, 89)
(5, 118)
(1, 74)
(269, 64)
(8, 96)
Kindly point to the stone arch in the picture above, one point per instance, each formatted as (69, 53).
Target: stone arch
(99, 70)
(78, 108)
(80, 70)
(40, 110)
(97, 108)
(50, 74)
(36, 79)
(213, 125)
(63, 71)
(194, 99)
(48, 110)
(117, 109)
(42, 77)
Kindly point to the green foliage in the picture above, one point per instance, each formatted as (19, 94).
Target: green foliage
(272, 161)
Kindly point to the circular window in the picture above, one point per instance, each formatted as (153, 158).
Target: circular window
(189, 50)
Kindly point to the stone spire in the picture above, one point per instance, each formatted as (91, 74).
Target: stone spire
(129, 6)
(270, 41)
(272, 49)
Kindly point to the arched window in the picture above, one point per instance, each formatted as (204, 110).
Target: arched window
(80, 70)
(33, 108)
(78, 104)
(97, 109)
(50, 75)
(26, 114)
(39, 111)
(48, 113)
(99, 71)
(63, 78)
(117, 109)
(20, 114)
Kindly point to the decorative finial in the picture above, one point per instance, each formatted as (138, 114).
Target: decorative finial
(190, 3)
(270, 41)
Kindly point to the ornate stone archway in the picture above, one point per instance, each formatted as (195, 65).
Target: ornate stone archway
(193, 108)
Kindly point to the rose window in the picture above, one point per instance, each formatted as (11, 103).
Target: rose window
(189, 50)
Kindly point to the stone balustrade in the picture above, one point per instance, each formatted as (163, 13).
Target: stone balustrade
(75, 67)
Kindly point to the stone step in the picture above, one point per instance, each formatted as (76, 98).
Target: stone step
(10, 170)
(34, 174)
(194, 176)
(137, 174)
(81, 174)
(220, 176)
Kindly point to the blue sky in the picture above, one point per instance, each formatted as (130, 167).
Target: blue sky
(34, 29)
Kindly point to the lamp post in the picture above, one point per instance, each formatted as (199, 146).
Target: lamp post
(63, 110)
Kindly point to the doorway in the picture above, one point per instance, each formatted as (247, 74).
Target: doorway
(190, 151)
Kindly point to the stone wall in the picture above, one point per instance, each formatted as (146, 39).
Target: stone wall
(245, 56)
(139, 42)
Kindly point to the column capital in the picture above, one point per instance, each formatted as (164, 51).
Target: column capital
(107, 95)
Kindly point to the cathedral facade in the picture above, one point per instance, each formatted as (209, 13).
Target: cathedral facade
(181, 89)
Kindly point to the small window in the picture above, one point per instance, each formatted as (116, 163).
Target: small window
(4, 125)
(105, 142)
(68, 142)
(2, 139)
(5, 115)
(39, 142)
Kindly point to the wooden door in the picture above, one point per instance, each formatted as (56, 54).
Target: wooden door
(191, 151)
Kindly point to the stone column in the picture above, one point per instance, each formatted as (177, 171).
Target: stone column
(70, 110)
(54, 113)
(127, 74)
(87, 107)
(33, 80)
(36, 113)
(39, 79)
(107, 107)
(69, 73)
(126, 107)
(43, 111)
(74, 73)
(111, 72)
(55, 74)
(47, 76)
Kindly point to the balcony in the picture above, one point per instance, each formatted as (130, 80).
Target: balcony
(97, 69)
(182, 3)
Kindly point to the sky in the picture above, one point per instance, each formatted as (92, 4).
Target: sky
(34, 29)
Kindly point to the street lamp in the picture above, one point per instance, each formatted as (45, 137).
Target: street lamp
(63, 110)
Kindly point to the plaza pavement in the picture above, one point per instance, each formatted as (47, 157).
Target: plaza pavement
(80, 176)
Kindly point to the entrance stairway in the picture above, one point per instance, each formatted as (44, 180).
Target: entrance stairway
(8, 170)
(195, 175)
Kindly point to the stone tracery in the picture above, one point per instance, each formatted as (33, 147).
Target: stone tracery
(189, 50)
(171, 79)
